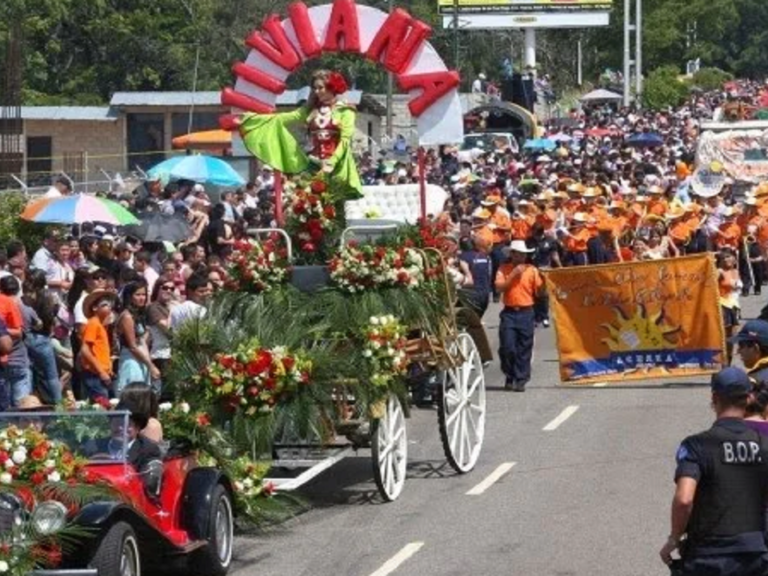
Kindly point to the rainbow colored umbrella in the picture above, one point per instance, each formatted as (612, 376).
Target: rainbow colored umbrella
(77, 209)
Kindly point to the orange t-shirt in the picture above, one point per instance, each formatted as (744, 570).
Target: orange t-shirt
(500, 218)
(521, 228)
(485, 235)
(729, 237)
(577, 241)
(96, 338)
(522, 292)
(657, 207)
(10, 312)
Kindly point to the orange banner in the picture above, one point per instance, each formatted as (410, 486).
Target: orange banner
(637, 320)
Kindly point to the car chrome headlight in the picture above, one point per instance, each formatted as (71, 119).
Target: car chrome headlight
(49, 517)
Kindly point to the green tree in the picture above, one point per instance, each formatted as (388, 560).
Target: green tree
(663, 88)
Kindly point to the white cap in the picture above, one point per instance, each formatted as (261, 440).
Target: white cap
(198, 188)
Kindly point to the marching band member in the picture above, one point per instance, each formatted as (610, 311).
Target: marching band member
(728, 234)
(522, 221)
(500, 224)
(481, 230)
(575, 240)
(603, 248)
(657, 204)
(679, 230)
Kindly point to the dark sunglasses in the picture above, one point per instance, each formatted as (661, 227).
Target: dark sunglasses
(168, 287)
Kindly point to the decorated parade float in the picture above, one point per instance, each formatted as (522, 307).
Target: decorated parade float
(330, 327)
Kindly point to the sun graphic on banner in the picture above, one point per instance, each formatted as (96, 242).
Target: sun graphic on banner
(640, 332)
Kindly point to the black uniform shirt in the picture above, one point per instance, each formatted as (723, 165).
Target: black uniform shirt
(730, 464)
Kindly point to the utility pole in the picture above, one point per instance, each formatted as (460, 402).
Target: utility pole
(456, 34)
(638, 52)
(637, 63)
(390, 90)
(627, 51)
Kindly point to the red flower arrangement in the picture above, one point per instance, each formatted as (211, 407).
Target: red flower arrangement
(253, 379)
(358, 268)
(257, 266)
(336, 83)
(310, 216)
(28, 455)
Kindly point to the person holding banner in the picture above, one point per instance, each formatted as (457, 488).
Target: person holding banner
(519, 284)
(729, 285)
(721, 483)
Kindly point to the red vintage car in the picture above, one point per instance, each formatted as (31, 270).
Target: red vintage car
(171, 511)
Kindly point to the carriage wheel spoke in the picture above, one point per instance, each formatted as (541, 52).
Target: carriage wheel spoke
(462, 427)
(475, 384)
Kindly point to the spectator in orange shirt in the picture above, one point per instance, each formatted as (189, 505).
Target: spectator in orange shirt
(657, 205)
(96, 354)
(728, 235)
(519, 283)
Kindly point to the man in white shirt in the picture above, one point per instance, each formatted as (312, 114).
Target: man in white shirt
(44, 258)
(61, 187)
(198, 291)
(142, 264)
(251, 199)
(478, 86)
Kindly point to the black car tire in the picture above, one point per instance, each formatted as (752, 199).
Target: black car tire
(119, 546)
(215, 557)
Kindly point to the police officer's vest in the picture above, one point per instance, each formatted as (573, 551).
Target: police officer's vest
(730, 496)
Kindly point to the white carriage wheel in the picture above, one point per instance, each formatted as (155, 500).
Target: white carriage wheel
(461, 410)
(389, 446)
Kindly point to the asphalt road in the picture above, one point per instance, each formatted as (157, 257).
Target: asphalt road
(590, 496)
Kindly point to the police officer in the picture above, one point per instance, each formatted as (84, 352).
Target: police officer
(718, 511)
(752, 341)
(519, 284)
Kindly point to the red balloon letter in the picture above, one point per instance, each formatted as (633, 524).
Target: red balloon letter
(259, 78)
(305, 33)
(274, 44)
(238, 100)
(434, 85)
(399, 38)
(343, 25)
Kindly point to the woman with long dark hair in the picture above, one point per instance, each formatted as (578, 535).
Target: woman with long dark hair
(159, 325)
(134, 364)
(45, 373)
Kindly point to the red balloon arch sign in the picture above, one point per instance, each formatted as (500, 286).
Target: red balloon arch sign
(397, 41)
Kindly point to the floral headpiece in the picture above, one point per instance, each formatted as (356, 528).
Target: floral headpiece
(336, 83)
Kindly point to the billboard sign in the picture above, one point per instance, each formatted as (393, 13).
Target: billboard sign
(446, 7)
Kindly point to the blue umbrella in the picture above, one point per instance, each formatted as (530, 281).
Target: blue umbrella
(197, 168)
(645, 140)
(540, 144)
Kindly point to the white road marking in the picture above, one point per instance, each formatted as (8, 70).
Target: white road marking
(599, 384)
(394, 563)
(563, 416)
(491, 479)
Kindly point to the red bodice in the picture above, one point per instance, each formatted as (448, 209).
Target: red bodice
(325, 136)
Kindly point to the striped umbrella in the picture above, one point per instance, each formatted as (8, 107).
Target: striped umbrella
(77, 209)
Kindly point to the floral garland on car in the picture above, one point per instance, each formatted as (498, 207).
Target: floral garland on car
(357, 268)
(311, 219)
(253, 379)
(28, 455)
(257, 266)
(384, 349)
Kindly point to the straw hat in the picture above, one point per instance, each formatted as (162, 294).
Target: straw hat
(655, 190)
(491, 200)
(580, 218)
(481, 214)
(617, 205)
(675, 212)
(591, 192)
(96, 296)
(750, 201)
(519, 246)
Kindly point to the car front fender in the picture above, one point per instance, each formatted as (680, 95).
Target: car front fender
(196, 507)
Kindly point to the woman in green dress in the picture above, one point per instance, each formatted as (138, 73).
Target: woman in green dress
(331, 126)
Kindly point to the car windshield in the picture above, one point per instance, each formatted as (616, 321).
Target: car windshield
(100, 436)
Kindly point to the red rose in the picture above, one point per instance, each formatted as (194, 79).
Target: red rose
(269, 488)
(318, 186)
(203, 420)
(253, 391)
(227, 361)
(3, 458)
(26, 496)
(298, 208)
(308, 247)
(329, 212)
(261, 362)
(336, 83)
(270, 383)
(37, 478)
(288, 363)
(39, 452)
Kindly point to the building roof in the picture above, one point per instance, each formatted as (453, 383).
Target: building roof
(601, 94)
(287, 98)
(87, 113)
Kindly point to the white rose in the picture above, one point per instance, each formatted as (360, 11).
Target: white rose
(6, 478)
(19, 457)
(165, 406)
(376, 345)
(248, 483)
(9, 464)
(390, 352)
(238, 486)
(49, 463)
(374, 320)
(3, 566)
(184, 407)
(6, 445)
(367, 353)
(114, 402)
(54, 477)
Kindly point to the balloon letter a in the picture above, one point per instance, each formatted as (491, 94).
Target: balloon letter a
(399, 38)
(434, 85)
(343, 25)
